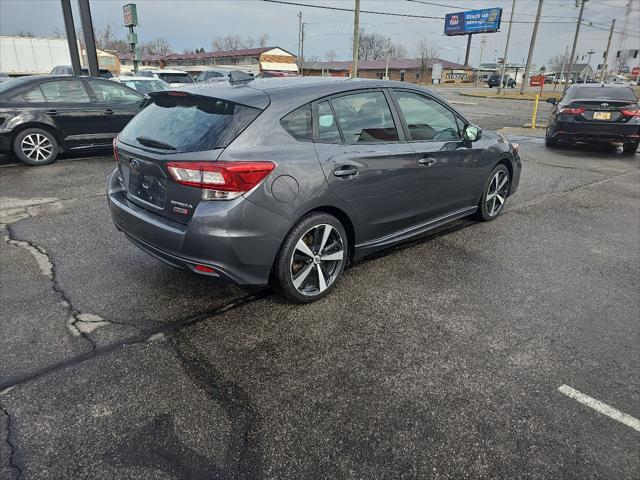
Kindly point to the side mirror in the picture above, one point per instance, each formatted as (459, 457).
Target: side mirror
(472, 133)
(552, 101)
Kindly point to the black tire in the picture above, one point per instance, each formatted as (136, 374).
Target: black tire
(489, 208)
(550, 142)
(35, 146)
(630, 147)
(292, 262)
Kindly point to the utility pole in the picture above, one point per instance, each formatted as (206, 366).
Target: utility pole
(531, 47)
(302, 51)
(299, 39)
(89, 37)
(506, 47)
(483, 42)
(71, 36)
(564, 61)
(575, 43)
(606, 52)
(356, 40)
(466, 55)
(386, 70)
(590, 52)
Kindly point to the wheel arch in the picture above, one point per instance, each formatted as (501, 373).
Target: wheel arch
(507, 163)
(42, 126)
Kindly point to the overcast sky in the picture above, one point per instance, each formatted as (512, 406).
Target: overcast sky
(193, 24)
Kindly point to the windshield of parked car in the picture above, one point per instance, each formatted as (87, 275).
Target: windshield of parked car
(605, 93)
(146, 86)
(189, 123)
(175, 77)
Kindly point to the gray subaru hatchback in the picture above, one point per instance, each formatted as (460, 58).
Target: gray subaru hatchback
(284, 181)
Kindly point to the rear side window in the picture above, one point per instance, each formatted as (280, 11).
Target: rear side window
(175, 77)
(365, 117)
(34, 95)
(111, 92)
(298, 123)
(65, 91)
(188, 123)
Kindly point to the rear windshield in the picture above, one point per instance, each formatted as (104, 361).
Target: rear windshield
(608, 93)
(188, 123)
(175, 77)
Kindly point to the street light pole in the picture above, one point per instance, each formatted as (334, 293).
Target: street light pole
(356, 40)
(531, 47)
(506, 48)
(299, 39)
(575, 43)
(483, 42)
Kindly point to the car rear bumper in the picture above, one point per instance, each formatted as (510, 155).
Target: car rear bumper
(596, 133)
(237, 253)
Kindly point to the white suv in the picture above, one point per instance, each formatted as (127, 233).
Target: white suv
(174, 78)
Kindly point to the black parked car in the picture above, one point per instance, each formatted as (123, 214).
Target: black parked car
(592, 113)
(507, 81)
(287, 180)
(41, 116)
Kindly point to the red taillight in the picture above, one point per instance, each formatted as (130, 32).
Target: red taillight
(203, 268)
(572, 111)
(115, 149)
(220, 180)
(631, 112)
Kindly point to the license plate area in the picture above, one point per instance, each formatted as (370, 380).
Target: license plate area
(146, 182)
(602, 115)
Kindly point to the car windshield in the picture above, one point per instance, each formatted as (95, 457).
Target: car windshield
(147, 86)
(605, 93)
(175, 77)
(189, 123)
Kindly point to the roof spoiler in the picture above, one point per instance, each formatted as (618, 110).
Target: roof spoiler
(238, 76)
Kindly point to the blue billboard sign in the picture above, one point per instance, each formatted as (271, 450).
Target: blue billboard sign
(486, 20)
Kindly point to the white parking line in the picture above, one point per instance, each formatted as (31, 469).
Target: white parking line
(598, 406)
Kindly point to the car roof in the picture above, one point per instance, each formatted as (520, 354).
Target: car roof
(290, 91)
(164, 70)
(143, 79)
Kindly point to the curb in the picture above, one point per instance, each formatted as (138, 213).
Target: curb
(481, 95)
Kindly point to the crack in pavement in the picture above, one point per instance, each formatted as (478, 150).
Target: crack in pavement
(243, 458)
(146, 337)
(79, 324)
(13, 464)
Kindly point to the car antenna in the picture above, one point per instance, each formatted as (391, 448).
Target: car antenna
(237, 76)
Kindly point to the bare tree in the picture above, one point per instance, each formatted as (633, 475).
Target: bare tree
(263, 40)
(557, 61)
(373, 46)
(330, 55)
(425, 51)
(622, 60)
(397, 51)
(312, 59)
(157, 46)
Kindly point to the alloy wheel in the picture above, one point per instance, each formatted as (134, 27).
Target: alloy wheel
(36, 147)
(497, 192)
(317, 259)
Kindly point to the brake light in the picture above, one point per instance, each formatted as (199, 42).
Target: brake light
(115, 150)
(631, 112)
(220, 180)
(572, 111)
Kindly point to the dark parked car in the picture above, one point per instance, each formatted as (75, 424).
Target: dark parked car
(41, 116)
(507, 81)
(68, 70)
(287, 180)
(592, 113)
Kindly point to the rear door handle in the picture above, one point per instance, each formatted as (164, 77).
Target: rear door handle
(108, 111)
(427, 161)
(345, 171)
(52, 112)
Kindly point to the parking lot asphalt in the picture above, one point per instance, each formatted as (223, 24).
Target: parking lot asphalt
(441, 358)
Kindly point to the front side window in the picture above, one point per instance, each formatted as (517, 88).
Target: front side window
(426, 118)
(365, 117)
(65, 91)
(111, 92)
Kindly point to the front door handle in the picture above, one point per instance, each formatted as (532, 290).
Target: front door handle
(52, 112)
(108, 111)
(427, 161)
(345, 171)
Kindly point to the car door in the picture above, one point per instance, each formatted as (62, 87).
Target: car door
(118, 104)
(366, 161)
(66, 102)
(449, 167)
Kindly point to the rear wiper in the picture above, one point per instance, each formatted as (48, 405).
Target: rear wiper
(150, 142)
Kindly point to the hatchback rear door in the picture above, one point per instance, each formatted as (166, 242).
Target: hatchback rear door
(366, 161)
